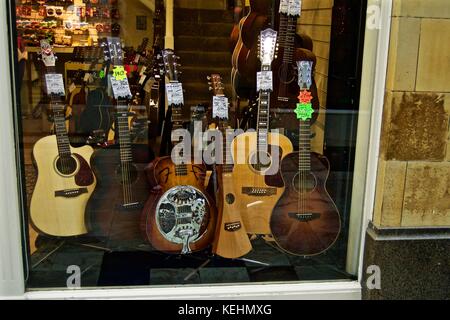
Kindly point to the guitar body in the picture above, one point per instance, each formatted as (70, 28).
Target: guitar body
(257, 194)
(232, 241)
(107, 214)
(173, 199)
(305, 221)
(59, 201)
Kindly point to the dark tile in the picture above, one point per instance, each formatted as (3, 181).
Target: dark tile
(173, 276)
(224, 275)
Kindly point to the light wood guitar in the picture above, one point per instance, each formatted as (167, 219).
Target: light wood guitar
(257, 155)
(65, 180)
(231, 239)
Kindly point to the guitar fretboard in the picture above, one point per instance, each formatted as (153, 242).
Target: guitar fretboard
(288, 29)
(177, 123)
(304, 163)
(263, 117)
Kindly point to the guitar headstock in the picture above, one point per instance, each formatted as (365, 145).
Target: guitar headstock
(47, 55)
(216, 85)
(305, 74)
(112, 50)
(268, 46)
(291, 7)
(171, 65)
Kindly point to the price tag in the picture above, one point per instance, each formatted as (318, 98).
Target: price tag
(284, 6)
(87, 76)
(120, 88)
(264, 81)
(55, 85)
(137, 58)
(72, 87)
(295, 7)
(143, 70)
(142, 79)
(220, 107)
(174, 93)
(119, 73)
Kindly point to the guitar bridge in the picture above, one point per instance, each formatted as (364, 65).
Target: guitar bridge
(131, 206)
(259, 192)
(70, 193)
(305, 217)
(233, 226)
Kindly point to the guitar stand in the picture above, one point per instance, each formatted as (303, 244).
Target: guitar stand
(64, 242)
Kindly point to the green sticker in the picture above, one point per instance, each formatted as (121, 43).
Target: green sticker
(304, 111)
(101, 74)
(119, 73)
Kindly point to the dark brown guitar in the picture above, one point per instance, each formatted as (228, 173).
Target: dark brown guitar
(179, 217)
(305, 220)
(113, 211)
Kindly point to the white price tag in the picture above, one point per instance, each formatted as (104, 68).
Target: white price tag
(72, 87)
(143, 70)
(264, 81)
(137, 58)
(220, 107)
(120, 88)
(174, 93)
(55, 85)
(87, 76)
(284, 6)
(142, 79)
(295, 7)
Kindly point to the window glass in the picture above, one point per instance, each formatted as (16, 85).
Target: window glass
(187, 142)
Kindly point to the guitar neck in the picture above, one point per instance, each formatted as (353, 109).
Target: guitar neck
(227, 166)
(123, 129)
(304, 163)
(59, 120)
(288, 29)
(177, 123)
(263, 120)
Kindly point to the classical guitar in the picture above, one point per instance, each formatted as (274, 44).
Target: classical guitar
(114, 209)
(305, 221)
(284, 67)
(65, 180)
(257, 155)
(231, 240)
(179, 216)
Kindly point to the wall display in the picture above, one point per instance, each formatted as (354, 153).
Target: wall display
(150, 180)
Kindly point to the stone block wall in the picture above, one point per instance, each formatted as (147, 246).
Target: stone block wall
(413, 186)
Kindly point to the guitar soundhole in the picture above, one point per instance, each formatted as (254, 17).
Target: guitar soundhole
(230, 198)
(261, 162)
(287, 73)
(127, 174)
(304, 182)
(67, 166)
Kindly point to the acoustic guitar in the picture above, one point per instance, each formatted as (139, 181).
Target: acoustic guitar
(231, 239)
(65, 180)
(284, 67)
(305, 221)
(179, 216)
(114, 209)
(257, 155)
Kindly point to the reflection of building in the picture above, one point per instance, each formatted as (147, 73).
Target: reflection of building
(396, 207)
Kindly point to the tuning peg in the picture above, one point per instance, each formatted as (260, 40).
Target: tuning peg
(208, 78)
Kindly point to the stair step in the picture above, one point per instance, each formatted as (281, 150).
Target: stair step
(203, 43)
(209, 60)
(200, 90)
(203, 29)
(202, 16)
(196, 74)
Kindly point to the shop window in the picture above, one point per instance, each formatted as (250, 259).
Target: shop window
(227, 158)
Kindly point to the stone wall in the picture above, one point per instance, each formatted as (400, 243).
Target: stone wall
(413, 186)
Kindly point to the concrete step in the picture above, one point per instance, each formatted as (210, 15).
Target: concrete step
(199, 74)
(208, 29)
(203, 16)
(199, 43)
(208, 60)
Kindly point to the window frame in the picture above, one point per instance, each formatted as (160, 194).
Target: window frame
(12, 233)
